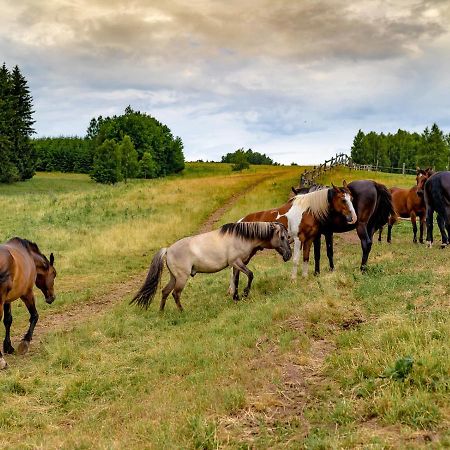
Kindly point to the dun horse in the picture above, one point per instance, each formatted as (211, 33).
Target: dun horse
(437, 198)
(233, 245)
(319, 204)
(409, 204)
(22, 265)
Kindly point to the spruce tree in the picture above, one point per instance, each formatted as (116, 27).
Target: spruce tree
(22, 125)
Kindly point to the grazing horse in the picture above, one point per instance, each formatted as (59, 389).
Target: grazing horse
(234, 244)
(437, 198)
(409, 204)
(320, 204)
(373, 206)
(22, 265)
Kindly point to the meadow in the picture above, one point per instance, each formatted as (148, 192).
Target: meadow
(321, 363)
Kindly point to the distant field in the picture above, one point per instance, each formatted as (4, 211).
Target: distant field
(305, 365)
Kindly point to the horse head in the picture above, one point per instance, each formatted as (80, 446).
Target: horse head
(422, 176)
(280, 241)
(45, 278)
(341, 201)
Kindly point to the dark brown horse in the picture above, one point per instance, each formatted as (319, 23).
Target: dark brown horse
(409, 204)
(437, 198)
(22, 265)
(373, 206)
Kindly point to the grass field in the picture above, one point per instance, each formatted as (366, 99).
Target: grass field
(315, 364)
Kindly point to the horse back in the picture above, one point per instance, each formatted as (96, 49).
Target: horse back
(21, 270)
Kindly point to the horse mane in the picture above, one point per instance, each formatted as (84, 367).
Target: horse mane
(249, 230)
(31, 247)
(314, 202)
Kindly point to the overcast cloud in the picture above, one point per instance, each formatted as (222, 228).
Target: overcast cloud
(293, 79)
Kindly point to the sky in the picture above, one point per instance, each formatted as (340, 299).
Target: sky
(295, 79)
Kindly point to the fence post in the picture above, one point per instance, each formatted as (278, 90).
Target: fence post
(403, 169)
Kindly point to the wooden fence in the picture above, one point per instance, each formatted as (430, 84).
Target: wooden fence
(309, 177)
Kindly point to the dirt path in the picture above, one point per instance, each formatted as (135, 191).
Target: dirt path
(80, 312)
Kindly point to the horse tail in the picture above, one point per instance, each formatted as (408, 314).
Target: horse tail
(384, 207)
(148, 290)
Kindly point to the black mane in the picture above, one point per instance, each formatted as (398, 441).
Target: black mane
(250, 230)
(31, 247)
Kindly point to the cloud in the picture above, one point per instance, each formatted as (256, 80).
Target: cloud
(261, 73)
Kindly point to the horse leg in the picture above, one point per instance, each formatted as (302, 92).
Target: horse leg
(441, 225)
(379, 234)
(421, 224)
(391, 223)
(179, 286)
(24, 345)
(306, 250)
(295, 258)
(414, 226)
(235, 282)
(317, 255)
(240, 266)
(429, 221)
(7, 320)
(3, 363)
(366, 244)
(329, 244)
(166, 291)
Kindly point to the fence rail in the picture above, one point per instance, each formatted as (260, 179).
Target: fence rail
(309, 177)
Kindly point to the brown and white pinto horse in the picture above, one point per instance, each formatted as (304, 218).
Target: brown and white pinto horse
(319, 204)
(409, 204)
(22, 265)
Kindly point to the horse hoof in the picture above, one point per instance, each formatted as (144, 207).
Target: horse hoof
(8, 349)
(429, 244)
(316, 274)
(421, 241)
(443, 245)
(236, 298)
(415, 241)
(23, 347)
(3, 364)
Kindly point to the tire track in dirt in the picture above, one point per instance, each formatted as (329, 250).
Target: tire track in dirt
(80, 312)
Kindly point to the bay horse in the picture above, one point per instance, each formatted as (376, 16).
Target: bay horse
(437, 198)
(319, 204)
(233, 244)
(409, 204)
(22, 265)
(373, 206)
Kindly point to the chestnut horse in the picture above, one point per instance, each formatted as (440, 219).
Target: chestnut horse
(320, 204)
(437, 198)
(22, 265)
(409, 204)
(233, 244)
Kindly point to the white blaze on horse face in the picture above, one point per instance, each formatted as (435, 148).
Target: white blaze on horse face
(352, 209)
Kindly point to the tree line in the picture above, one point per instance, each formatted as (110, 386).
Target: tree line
(17, 154)
(241, 159)
(431, 148)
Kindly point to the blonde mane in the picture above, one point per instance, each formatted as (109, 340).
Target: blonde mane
(314, 202)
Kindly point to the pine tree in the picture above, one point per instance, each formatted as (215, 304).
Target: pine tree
(22, 125)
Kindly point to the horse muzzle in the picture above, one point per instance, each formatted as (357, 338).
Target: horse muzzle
(287, 256)
(50, 299)
(351, 219)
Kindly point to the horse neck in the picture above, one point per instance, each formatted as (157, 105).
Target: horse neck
(39, 262)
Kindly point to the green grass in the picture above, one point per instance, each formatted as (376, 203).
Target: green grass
(214, 375)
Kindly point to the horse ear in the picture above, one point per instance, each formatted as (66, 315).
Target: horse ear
(294, 190)
(52, 259)
(335, 187)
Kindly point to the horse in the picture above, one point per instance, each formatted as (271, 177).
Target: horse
(373, 206)
(437, 198)
(22, 265)
(320, 204)
(409, 203)
(233, 244)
